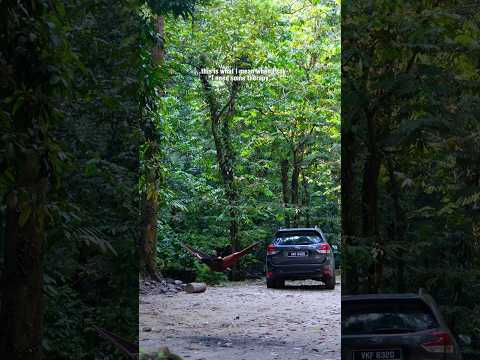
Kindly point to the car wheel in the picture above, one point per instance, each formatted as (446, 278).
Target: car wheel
(271, 284)
(330, 282)
(281, 283)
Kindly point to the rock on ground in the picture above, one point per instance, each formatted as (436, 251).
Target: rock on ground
(165, 286)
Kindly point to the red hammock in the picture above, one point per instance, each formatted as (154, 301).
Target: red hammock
(219, 264)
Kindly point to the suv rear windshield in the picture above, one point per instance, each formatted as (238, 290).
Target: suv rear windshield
(386, 317)
(298, 238)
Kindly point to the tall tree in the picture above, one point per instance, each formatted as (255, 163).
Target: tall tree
(29, 65)
(153, 176)
(151, 151)
(221, 117)
(284, 169)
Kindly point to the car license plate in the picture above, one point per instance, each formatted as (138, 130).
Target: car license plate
(381, 354)
(297, 253)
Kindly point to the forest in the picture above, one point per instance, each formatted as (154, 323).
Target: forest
(410, 153)
(69, 155)
(239, 159)
(115, 148)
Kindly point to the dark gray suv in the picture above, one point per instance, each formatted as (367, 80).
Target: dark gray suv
(395, 327)
(299, 254)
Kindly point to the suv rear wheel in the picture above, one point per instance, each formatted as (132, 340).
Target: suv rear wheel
(275, 284)
(330, 283)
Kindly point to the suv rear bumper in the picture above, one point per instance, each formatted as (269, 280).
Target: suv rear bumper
(300, 271)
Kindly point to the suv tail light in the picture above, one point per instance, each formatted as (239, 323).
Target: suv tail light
(442, 344)
(324, 248)
(271, 250)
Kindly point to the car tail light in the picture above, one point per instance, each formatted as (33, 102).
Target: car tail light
(324, 248)
(269, 274)
(271, 249)
(442, 344)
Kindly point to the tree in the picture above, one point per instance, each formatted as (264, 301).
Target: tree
(154, 70)
(32, 60)
(403, 169)
(228, 143)
(153, 176)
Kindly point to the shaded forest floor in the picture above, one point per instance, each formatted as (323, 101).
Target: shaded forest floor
(244, 320)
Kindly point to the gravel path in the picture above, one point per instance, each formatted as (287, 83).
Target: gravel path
(244, 321)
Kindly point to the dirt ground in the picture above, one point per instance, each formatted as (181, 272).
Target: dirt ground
(243, 321)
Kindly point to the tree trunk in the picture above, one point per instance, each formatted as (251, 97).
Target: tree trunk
(306, 200)
(399, 225)
(21, 305)
(21, 315)
(284, 165)
(369, 196)
(370, 207)
(158, 51)
(150, 238)
(350, 271)
(228, 172)
(233, 215)
(220, 125)
(149, 246)
(294, 186)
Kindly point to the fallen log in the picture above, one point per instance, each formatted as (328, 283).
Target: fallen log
(195, 287)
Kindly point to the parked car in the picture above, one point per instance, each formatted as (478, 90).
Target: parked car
(395, 327)
(299, 254)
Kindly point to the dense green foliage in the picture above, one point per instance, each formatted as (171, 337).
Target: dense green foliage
(293, 119)
(410, 171)
(90, 260)
(81, 72)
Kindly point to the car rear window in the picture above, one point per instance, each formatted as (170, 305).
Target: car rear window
(386, 317)
(300, 238)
